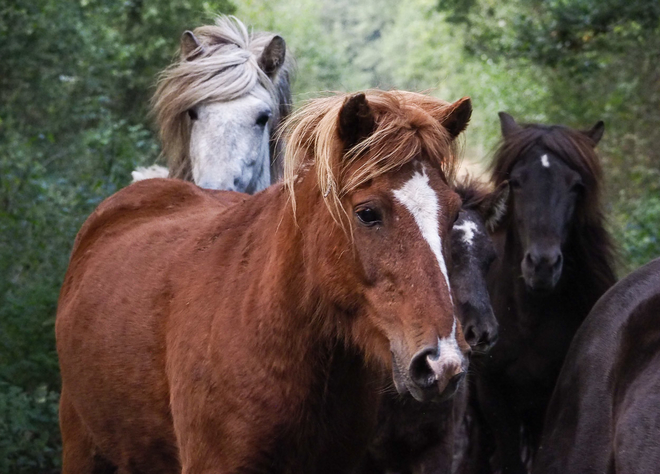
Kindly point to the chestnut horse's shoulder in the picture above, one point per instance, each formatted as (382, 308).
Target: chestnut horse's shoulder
(145, 201)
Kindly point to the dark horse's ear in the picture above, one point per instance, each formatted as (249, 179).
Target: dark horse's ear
(356, 120)
(190, 46)
(272, 57)
(458, 117)
(596, 132)
(493, 208)
(508, 124)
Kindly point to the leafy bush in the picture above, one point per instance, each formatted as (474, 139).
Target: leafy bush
(637, 231)
(29, 431)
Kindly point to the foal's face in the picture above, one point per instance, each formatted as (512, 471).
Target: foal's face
(472, 252)
(401, 226)
(545, 193)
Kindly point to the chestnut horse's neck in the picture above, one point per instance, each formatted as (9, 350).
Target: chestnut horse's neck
(323, 391)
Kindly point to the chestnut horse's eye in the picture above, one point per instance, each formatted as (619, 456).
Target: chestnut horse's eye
(369, 216)
(192, 113)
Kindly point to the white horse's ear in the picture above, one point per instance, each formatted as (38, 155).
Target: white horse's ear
(190, 46)
(458, 117)
(272, 57)
(493, 208)
(508, 124)
(356, 120)
(596, 132)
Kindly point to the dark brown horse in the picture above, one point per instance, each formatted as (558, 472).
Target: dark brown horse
(254, 334)
(555, 261)
(415, 437)
(604, 415)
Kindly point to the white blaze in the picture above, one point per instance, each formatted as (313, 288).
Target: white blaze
(545, 162)
(450, 354)
(421, 201)
(469, 228)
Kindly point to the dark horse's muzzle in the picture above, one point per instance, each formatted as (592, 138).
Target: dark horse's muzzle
(541, 268)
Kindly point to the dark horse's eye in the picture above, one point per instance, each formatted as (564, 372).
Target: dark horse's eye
(262, 119)
(369, 216)
(514, 183)
(192, 113)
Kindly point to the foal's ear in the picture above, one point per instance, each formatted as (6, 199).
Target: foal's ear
(508, 124)
(356, 120)
(272, 57)
(493, 208)
(190, 46)
(458, 116)
(596, 132)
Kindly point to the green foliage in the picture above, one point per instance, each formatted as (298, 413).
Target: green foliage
(29, 434)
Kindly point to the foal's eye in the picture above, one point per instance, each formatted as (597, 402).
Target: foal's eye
(262, 119)
(369, 216)
(192, 113)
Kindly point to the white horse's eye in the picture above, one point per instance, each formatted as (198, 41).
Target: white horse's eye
(263, 118)
(192, 113)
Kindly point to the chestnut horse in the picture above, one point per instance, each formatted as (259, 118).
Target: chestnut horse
(604, 415)
(555, 261)
(415, 437)
(199, 333)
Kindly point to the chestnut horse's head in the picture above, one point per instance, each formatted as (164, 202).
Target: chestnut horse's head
(368, 177)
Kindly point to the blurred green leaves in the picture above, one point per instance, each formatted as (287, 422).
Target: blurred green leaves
(28, 442)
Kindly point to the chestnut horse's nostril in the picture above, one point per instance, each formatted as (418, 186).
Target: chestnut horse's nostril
(453, 383)
(420, 371)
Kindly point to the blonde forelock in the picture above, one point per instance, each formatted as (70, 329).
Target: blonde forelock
(408, 126)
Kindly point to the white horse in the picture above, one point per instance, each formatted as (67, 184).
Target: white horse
(219, 107)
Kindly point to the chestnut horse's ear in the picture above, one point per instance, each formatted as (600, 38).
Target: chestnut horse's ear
(508, 124)
(190, 46)
(272, 57)
(493, 208)
(356, 120)
(458, 117)
(596, 132)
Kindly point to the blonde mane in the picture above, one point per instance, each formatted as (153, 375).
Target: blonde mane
(225, 67)
(408, 125)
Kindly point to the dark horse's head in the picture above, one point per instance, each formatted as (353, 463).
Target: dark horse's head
(472, 252)
(554, 175)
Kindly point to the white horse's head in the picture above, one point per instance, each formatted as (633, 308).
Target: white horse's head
(219, 105)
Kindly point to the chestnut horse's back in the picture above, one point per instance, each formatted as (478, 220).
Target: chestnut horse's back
(118, 319)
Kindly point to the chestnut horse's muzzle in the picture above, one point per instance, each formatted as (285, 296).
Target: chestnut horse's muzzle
(434, 373)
